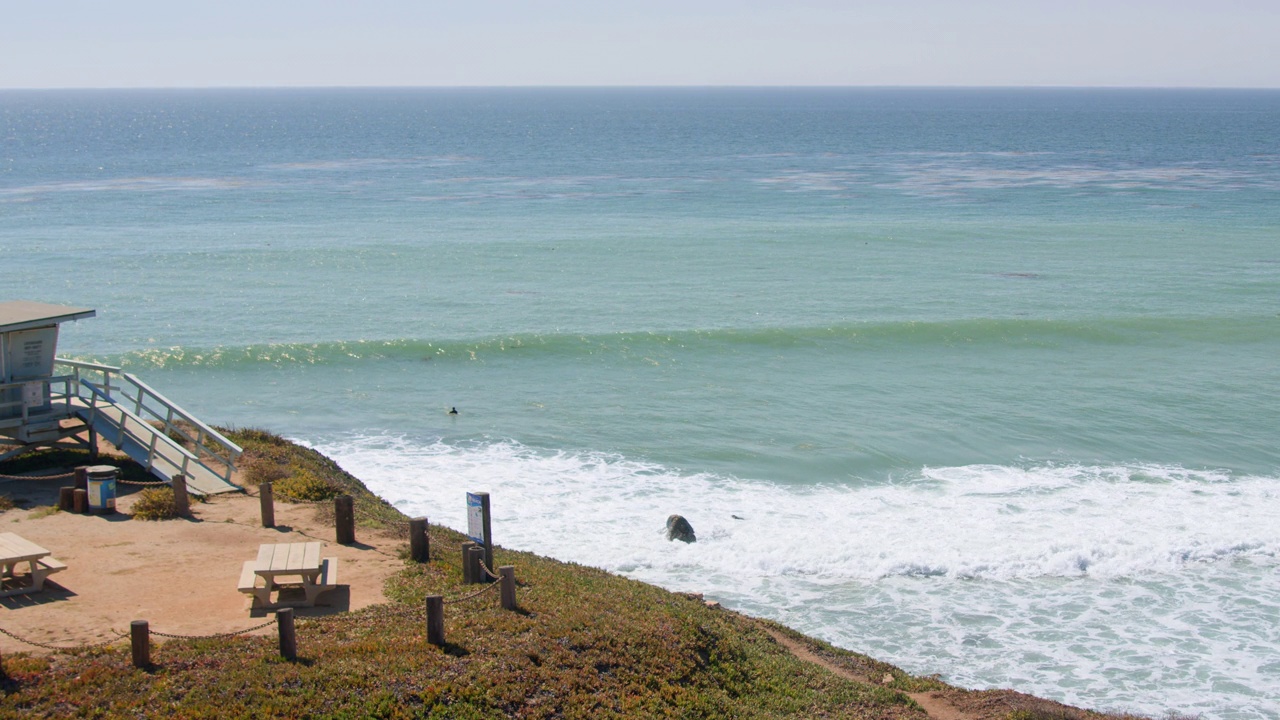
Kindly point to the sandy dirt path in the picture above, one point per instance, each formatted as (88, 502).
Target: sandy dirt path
(179, 575)
(933, 703)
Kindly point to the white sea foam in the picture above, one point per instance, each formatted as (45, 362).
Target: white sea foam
(135, 184)
(1142, 587)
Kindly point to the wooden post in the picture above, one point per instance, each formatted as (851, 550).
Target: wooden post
(477, 573)
(288, 638)
(344, 518)
(82, 478)
(181, 502)
(66, 499)
(140, 640)
(435, 619)
(508, 588)
(419, 543)
(267, 500)
(80, 501)
(467, 579)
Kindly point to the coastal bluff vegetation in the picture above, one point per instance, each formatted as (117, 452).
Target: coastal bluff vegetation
(583, 643)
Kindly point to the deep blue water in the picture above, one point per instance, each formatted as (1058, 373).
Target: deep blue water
(1011, 353)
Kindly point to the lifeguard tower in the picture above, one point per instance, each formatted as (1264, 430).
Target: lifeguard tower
(46, 400)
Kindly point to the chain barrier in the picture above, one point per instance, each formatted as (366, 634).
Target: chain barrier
(56, 648)
(63, 476)
(393, 524)
(378, 614)
(68, 476)
(401, 526)
(216, 636)
(473, 595)
(487, 571)
(141, 483)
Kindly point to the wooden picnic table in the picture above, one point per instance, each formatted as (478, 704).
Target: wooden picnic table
(15, 549)
(300, 560)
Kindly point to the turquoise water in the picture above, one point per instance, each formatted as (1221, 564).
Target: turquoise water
(989, 376)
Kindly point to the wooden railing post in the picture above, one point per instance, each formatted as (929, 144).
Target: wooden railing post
(80, 501)
(181, 501)
(419, 542)
(508, 588)
(66, 499)
(435, 620)
(476, 561)
(82, 478)
(467, 577)
(267, 500)
(344, 518)
(140, 642)
(288, 638)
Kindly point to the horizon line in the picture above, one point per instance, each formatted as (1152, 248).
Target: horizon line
(639, 87)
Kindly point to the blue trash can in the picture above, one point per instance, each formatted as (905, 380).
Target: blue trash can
(102, 488)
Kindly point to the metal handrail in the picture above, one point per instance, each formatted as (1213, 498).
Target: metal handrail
(78, 365)
(174, 409)
(156, 435)
(87, 365)
(207, 440)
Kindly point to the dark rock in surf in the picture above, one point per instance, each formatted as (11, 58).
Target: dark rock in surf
(679, 529)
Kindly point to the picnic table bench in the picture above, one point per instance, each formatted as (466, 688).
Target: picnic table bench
(15, 549)
(292, 560)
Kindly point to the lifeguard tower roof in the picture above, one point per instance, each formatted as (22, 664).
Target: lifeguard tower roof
(24, 314)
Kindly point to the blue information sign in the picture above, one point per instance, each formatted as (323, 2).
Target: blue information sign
(475, 519)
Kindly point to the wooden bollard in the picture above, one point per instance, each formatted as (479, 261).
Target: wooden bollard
(267, 500)
(82, 478)
(467, 577)
(288, 638)
(419, 543)
(181, 501)
(140, 642)
(478, 574)
(344, 519)
(66, 499)
(435, 619)
(508, 588)
(80, 501)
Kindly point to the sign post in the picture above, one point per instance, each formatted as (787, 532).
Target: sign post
(479, 527)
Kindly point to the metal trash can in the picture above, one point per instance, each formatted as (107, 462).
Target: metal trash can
(102, 488)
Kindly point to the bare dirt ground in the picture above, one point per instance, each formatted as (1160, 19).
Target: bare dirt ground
(933, 703)
(179, 575)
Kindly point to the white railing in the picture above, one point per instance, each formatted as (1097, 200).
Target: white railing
(143, 404)
(153, 440)
(81, 369)
(21, 412)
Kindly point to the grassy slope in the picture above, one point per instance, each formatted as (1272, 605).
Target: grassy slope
(585, 644)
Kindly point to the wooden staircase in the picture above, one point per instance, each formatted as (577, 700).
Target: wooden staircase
(149, 428)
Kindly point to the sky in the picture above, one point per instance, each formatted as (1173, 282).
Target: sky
(286, 43)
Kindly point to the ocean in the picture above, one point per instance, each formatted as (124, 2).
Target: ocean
(980, 382)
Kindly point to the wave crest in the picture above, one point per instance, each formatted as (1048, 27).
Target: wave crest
(645, 345)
